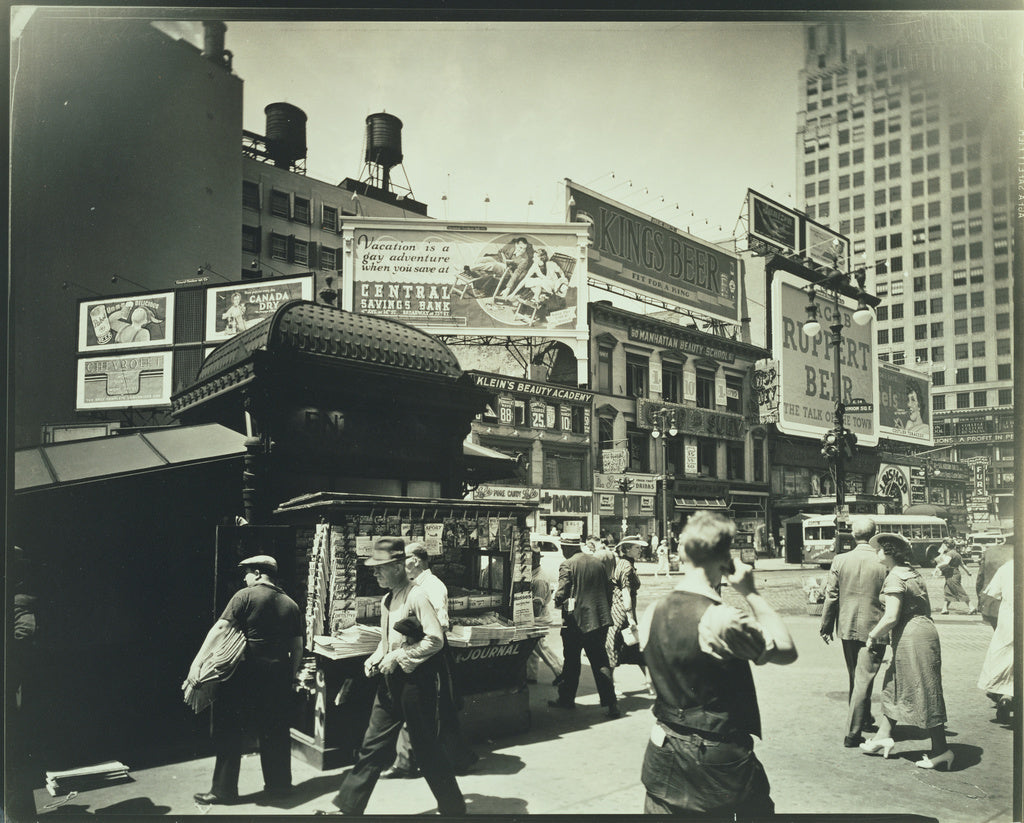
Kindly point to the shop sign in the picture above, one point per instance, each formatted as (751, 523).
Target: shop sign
(686, 342)
(510, 494)
(488, 652)
(446, 278)
(981, 479)
(606, 503)
(894, 482)
(560, 502)
(545, 391)
(634, 250)
(690, 420)
(124, 381)
(806, 364)
(235, 308)
(690, 457)
(641, 483)
(904, 404)
(646, 505)
(614, 461)
(129, 322)
(766, 390)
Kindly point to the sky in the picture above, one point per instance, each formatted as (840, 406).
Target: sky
(676, 120)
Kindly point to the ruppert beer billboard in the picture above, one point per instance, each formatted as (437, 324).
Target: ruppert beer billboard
(904, 407)
(642, 253)
(524, 278)
(806, 364)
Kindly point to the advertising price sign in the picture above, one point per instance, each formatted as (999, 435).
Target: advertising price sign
(807, 364)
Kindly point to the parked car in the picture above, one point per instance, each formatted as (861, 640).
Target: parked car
(977, 542)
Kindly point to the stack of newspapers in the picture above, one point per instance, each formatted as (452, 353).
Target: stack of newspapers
(86, 777)
(351, 642)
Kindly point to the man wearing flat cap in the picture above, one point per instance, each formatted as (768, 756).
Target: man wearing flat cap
(409, 671)
(257, 696)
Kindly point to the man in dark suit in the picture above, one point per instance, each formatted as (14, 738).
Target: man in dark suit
(584, 595)
(852, 609)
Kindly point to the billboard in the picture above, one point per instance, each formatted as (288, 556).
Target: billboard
(773, 223)
(124, 380)
(126, 322)
(637, 251)
(806, 364)
(904, 404)
(237, 307)
(466, 278)
(824, 246)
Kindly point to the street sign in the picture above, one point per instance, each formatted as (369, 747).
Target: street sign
(859, 408)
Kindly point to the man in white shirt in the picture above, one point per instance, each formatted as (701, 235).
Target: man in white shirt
(407, 692)
(417, 566)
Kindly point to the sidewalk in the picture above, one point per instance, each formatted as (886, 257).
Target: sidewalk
(580, 762)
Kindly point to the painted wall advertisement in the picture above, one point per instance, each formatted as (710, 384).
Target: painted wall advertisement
(638, 251)
(904, 404)
(807, 364)
(122, 381)
(461, 277)
(129, 322)
(240, 306)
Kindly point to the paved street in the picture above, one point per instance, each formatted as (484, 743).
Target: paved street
(582, 763)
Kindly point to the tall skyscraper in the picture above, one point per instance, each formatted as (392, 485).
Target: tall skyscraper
(905, 143)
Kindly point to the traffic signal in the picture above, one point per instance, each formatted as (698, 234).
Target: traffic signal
(830, 445)
(849, 443)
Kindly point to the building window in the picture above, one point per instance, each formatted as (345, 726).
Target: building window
(936, 330)
(883, 337)
(250, 195)
(280, 204)
(978, 374)
(329, 218)
(935, 257)
(606, 432)
(705, 389)
(921, 331)
(1004, 371)
(920, 306)
(898, 358)
(935, 305)
(978, 324)
(881, 312)
(734, 394)
(636, 375)
(735, 458)
(251, 239)
(328, 258)
(897, 334)
(1004, 345)
(960, 351)
(707, 457)
(938, 378)
(301, 210)
(564, 470)
(963, 400)
(758, 459)
(278, 247)
(980, 399)
(1003, 321)
(938, 354)
(978, 348)
(977, 299)
(1006, 397)
(939, 402)
(639, 450)
(604, 370)
(959, 302)
(300, 252)
(671, 382)
(960, 326)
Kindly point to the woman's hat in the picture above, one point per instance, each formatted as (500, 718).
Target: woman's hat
(889, 540)
(383, 553)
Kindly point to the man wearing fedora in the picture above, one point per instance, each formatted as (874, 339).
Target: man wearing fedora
(257, 696)
(584, 595)
(407, 691)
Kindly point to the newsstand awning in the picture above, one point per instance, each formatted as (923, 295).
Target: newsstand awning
(700, 503)
(80, 461)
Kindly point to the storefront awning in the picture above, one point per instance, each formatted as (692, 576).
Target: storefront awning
(484, 464)
(80, 461)
(700, 503)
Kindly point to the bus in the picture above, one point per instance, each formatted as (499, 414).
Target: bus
(925, 533)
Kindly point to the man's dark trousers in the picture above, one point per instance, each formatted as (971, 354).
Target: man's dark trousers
(573, 642)
(862, 664)
(413, 699)
(257, 697)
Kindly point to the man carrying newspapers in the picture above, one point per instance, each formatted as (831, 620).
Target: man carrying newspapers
(250, 658)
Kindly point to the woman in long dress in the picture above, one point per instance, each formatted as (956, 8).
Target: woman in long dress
(625, 584)
(912, 689)
(996, 678)
(950, 565)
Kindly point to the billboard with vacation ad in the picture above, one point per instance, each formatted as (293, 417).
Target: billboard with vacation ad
(127, 322)
(466, 278)
(773, 223)
(904, 404)
(124, 381)
(639, 252)
(807, 400)
(239, 306)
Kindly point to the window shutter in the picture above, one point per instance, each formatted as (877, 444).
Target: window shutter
(312, 258)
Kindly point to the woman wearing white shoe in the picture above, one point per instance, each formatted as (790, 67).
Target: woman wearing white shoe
(912, 690)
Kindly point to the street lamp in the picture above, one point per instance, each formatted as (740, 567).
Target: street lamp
(839, 443)
(664, 422)
(625, 484)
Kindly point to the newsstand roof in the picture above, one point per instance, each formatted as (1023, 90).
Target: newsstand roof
(319, 332)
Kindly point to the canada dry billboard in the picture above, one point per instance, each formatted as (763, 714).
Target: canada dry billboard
(807, 399)
(904, 407)
(127, 322)
(124, 381)
(454, 278)
(642, 253)
(235, 308)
